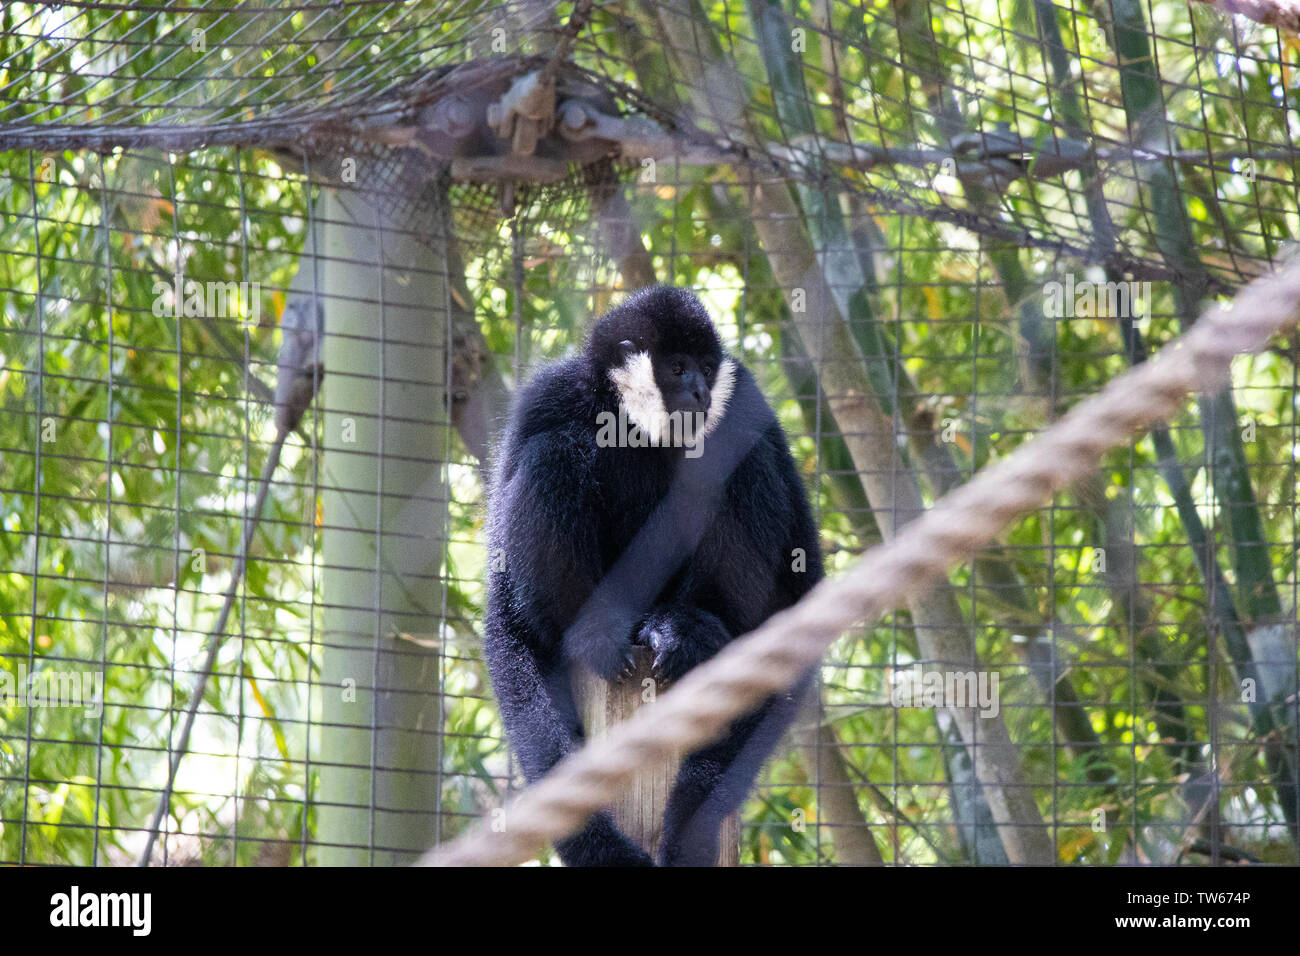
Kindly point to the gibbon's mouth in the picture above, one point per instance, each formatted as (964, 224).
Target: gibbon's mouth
(643, 403)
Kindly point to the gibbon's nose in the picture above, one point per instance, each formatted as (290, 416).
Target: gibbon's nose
(698, 390)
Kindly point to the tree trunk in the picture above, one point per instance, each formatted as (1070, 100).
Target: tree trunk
(385, 513)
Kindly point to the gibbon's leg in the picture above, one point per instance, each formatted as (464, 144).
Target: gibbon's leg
(543, 726)
(715, 780)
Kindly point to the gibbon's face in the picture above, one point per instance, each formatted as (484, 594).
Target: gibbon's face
(685, 383)
(654, 386)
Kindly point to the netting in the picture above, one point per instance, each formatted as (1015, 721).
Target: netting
(1052, 148)
(1003, 206)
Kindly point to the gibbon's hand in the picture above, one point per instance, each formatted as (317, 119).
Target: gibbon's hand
(601, 639)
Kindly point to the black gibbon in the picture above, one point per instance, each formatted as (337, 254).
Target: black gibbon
(643, 494)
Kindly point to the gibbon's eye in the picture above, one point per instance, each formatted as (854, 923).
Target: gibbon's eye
(679, 369)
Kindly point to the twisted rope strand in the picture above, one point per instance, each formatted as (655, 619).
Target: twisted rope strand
(771, 657)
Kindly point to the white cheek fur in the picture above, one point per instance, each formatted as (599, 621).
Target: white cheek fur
(644, 404)
(720, 396)
(639, 395)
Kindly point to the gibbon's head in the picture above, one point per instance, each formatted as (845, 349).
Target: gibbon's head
(662, 354)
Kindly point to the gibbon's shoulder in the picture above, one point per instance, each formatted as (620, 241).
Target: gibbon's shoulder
(558, 396)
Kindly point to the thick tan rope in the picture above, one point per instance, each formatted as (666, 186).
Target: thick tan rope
(770, 658)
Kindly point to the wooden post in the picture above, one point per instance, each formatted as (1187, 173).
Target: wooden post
(640, 811)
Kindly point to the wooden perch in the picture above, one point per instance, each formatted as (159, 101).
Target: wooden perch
(640, 810)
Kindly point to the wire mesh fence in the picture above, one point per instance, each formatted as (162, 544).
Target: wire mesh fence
(1008, 204)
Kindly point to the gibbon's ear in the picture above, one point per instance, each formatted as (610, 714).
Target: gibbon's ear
(626, 349)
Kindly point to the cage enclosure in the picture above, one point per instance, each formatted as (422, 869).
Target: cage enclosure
(272, 272)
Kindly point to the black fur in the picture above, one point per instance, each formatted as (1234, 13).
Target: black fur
(594, 549)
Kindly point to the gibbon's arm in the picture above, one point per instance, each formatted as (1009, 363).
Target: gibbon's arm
(544, 530)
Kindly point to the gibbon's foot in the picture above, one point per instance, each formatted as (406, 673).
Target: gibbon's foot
(681, 639)
(600, 843)
(673, 656)
(700, 852)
